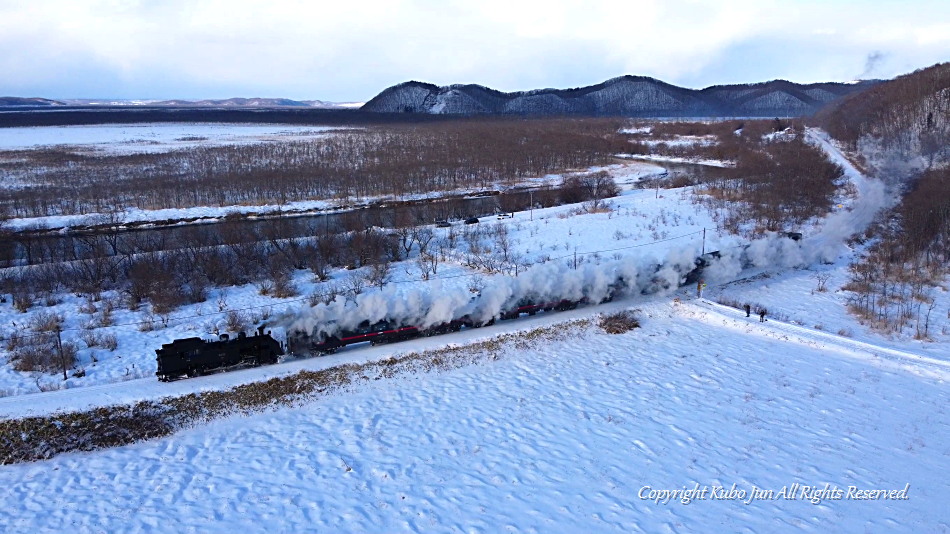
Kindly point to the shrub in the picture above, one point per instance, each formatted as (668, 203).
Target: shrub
(147, 324)
(105, 314)
(98, 339)
(91, 338)
(22, 300)
(235, 321)
(12, 341)
(284, 287)
(42, 355)
(620, 322)
(110, 341)
(46, 322)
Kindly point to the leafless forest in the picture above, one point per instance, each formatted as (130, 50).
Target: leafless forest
(163, 270)
(907, 121)
(776, 182)
(896, 281)
(909, 115)
(382, 161)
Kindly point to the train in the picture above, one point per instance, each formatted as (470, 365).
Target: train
(387, 332)
(194, 356)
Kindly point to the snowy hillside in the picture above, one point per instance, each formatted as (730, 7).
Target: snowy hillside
(625, 96)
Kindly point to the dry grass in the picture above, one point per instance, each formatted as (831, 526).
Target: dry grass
(620, 322)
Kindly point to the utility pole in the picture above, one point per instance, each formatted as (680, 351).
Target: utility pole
(531, 203)
(704, 242)
(575, 258)
(59, 348)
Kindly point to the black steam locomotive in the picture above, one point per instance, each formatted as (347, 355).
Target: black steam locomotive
(194, 356)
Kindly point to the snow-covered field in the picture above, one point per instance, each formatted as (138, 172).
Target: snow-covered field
(565, 437)
(152, 137)
(637, 220)
(642, 225)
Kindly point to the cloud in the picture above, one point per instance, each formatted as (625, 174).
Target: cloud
(351, 50)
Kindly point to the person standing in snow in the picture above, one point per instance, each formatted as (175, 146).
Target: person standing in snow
(699, 288)
(748, 310)
(762, 315)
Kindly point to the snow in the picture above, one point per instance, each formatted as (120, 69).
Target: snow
(625, 174)
(659, 158)
(562, 437)
(871, 198)
(567, 435)
(151, 137)
(138, 215)
(682, 140)
(643, 225)
(637, 220)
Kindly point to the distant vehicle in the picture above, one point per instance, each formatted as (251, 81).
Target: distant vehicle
(471, 220)
(442, 224)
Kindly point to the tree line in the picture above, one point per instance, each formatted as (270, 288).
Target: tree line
(776, 180)
(895, 282)
(909, 115)
(382, 161)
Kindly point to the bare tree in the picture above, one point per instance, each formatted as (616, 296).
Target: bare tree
(379, 274)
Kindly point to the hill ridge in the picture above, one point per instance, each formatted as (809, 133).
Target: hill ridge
(627, 95)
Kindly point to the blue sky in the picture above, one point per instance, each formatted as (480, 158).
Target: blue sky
(349, 51)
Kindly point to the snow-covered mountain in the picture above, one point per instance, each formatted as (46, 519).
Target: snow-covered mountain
(627, 96)
(16, 102)
(237, 102)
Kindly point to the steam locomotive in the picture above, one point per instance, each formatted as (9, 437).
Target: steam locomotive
(194, 356)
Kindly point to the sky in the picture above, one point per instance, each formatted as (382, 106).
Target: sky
(350, 51)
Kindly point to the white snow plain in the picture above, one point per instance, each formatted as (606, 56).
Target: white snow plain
(152, 137)
(569, 436)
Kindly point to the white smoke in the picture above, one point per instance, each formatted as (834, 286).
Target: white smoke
(551, 282)
(872, 196)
